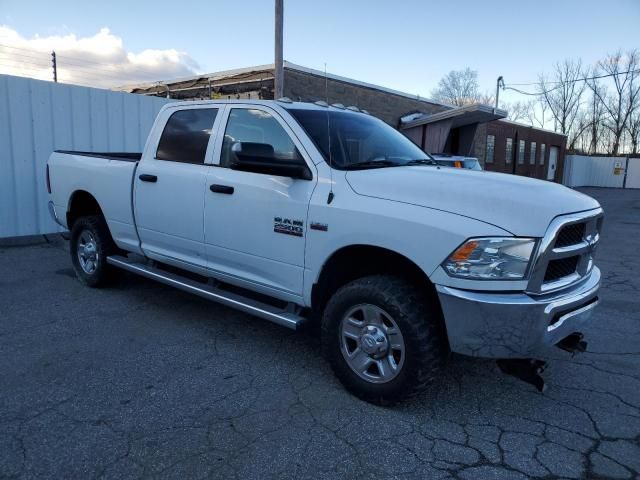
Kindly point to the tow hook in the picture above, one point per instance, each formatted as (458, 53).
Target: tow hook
(526, 369)
(573, 343)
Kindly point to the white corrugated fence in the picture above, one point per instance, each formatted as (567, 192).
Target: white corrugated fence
(595, 171)
(37, 117)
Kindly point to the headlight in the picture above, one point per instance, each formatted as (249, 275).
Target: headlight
(491, 259)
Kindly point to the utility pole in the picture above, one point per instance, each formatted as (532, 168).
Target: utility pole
(499, 82)
(55, 66)
(278, 90)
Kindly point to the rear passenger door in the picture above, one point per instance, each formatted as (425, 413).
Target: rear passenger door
(170, 184)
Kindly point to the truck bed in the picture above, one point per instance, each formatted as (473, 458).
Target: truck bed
(107, 177)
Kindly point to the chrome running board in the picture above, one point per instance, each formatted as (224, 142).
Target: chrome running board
(287, 317)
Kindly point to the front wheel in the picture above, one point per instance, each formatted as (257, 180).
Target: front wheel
(384, 341)
(90, 245)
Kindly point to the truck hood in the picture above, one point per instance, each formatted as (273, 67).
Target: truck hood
(522, 206)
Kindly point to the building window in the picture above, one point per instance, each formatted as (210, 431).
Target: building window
(532, 154)
(543, 149)
(509, 150)
(491, 148)
(521, 147)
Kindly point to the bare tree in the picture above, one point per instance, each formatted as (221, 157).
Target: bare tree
(518, 111)
(633, 128)
(620, 104)
(562, 94)
(459, 88)
(486, 98)
(596, 112)
(537, 112)
(579, 130)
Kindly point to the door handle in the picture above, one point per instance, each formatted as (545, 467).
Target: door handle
(145, 177)
(221, 189)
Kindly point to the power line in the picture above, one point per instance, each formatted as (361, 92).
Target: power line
(88, 73)
(560, 84)
(82, 60)
(18, 48)
(64, 60)
(22, 55)
(21, 64)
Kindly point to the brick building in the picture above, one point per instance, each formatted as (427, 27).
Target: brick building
(534, 152)
(475, 130)
(300, 84)
(500, 145)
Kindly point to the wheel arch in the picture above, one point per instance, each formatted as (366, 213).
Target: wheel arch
(81, 204)
(359, 260)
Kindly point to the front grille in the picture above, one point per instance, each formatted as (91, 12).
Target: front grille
(561, 268)
(565, 255)
(570, 235)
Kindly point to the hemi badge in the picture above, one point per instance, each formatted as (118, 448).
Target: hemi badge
(323, 227)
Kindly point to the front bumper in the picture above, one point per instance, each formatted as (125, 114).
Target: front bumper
(515, 325)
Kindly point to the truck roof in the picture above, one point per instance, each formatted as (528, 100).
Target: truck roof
(284, 103)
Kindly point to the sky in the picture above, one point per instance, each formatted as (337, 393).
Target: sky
(406, 45)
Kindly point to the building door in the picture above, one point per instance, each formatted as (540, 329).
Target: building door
(553, 162)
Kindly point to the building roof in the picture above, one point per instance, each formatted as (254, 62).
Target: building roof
(269, 68)
(526, 125)
(459, 116)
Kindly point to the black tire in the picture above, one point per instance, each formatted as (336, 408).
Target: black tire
(95, 226)
(421, 326)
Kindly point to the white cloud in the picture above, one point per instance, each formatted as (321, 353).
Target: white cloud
(100, 60)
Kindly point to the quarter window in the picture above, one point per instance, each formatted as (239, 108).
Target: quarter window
(186, 135)
(260, 129)
(521, 148)
(543, 149)
(509, 150)
(532, 154)
(491, 149)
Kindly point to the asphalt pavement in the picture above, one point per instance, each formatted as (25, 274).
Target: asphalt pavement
(141, 380)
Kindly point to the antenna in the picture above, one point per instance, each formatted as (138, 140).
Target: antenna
(326, 94)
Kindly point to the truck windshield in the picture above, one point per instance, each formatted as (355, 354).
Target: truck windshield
(358, 141)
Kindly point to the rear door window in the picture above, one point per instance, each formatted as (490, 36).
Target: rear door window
(186, 135)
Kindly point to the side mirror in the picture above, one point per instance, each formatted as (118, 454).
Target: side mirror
(261, 158)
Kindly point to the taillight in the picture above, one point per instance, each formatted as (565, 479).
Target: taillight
(48, 181)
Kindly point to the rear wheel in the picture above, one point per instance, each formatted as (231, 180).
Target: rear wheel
(90, 245)
(384, 341)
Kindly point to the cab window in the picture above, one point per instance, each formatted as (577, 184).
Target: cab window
(257, 131)
(186, 135)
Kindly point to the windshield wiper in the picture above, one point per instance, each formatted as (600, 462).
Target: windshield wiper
(421, 161)
(371, 164)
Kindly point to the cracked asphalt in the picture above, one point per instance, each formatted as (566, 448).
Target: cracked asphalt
(141, 380)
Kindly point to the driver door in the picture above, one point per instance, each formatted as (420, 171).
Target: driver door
(255, 223)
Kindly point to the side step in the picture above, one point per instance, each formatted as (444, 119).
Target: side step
(286, 318)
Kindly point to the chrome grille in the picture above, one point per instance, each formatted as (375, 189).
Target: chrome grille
(565, 255)
(561, 268)
(570, 235)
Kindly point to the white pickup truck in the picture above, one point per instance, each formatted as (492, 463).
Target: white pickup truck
(299, 212)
